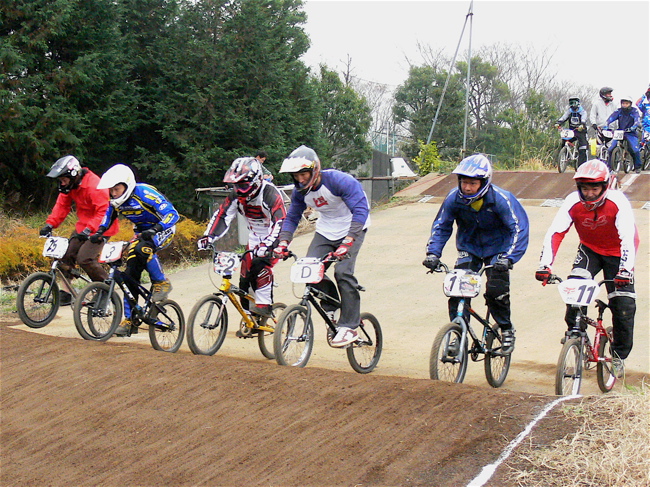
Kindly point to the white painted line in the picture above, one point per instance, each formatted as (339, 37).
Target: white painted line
(489, 470)
(425, 199)
(628, 181)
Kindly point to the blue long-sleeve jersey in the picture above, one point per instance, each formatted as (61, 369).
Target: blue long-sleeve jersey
(146, 207)
(626, 119)
(499, 226)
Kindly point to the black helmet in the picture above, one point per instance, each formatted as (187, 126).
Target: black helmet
(606, 93)
(574, 102)
(69, 167)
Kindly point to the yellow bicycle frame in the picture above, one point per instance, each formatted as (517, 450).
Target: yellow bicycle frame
(225, 287)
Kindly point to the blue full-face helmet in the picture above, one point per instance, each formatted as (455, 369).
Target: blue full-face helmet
(476, 166)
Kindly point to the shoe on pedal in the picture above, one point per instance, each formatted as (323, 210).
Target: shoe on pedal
(160, 290)
(507, 340)
(124, 329)
(618, 367)
(344, 336)
(262, 310)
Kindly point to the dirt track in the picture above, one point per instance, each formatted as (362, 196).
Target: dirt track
(79, 413)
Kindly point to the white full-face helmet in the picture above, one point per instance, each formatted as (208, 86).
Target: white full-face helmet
(116, 175)
(303, 159)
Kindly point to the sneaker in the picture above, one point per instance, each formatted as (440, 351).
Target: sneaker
(344, 336)
(507, 340)
(618, 367)
(65, 298)
(637, 170)
(124, 329)
(160, 290)
(262, 310)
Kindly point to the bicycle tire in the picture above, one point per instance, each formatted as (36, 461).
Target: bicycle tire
(645, 157)
(602, 153)
(628, 162)
(207, 325)
(615, 159)
(170, 313)
(496, 365)
(95, 317)
(264, 340)
(562, 159)
(443, 364)
(293, 339)
(606, 378)
(568, 376)
(365, 353)
(36, 314)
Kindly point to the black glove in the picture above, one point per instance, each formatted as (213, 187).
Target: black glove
(97, 237)
(431, 261)
(46, 231)
(502, 264)
(150, 232)
(594, 126)
(83, 236)
(630, 130)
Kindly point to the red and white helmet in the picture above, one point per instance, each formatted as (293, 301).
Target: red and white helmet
(593, 172)
(246, 175)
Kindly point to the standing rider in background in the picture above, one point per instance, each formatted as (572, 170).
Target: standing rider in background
(577, 117)
(609, 240)
(340, 229)
(263, 207)
(601, 108)
(155, 220)
(78, 185)
(643, 104)
(492, 229)
(628, 120)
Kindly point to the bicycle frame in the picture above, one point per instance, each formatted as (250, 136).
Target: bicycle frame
(312, 296)
(228, 289)
(589, 351)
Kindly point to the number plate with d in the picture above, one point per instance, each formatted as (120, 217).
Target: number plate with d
(308, 270)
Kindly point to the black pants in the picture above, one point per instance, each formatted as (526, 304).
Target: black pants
(622, 301)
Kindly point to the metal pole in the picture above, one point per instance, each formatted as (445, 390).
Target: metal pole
(469, 68)
(453, 61)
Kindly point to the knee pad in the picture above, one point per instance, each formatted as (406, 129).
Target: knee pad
(264, 278)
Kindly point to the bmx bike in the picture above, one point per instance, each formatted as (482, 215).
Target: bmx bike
(568, 152)
(456, 341)
(293, 341)
(578, 352)
(99, 307)
(38, 299)
(208, 321)
(621, 155)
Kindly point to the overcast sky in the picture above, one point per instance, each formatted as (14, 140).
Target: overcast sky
(593, 42)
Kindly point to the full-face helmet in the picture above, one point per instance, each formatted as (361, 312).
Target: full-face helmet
(69, 167)
(574, 102)
(606, 93)
(476, 166)
(626, 98)
(117, 174)
(246, 175)
(303, 159)
(593, 172)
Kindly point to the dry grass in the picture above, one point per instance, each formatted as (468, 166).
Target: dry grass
(611, 446)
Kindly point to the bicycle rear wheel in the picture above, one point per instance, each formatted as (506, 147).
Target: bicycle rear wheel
(568, 376)
(563, 159)
(606, 378)
(264, 340)
(496, 365)
(293, 339)
(207, 325)
(38, 299)
(96, 314)
(364, 354)
(167, 334)
(448, 361)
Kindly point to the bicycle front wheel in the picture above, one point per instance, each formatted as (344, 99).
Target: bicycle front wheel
(568, 376)
(645, 157)
(628, 162)
(448, 361)
(293, 339)
(563, 159)
(167, 334)
(96, 314)
(207, 325)
(606, 378)
(38, 300)
(496, 364)
(364, 354)
(264, 340)
(616, 159)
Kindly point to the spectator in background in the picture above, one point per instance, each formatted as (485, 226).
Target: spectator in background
(261, 157)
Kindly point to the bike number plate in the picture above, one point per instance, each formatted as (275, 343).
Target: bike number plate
(225, 263)
(646, 136)
(55, 247)
(461, 283)
(580, 292)
(111, 252)
(308, 270)
(566, 133)
(619, 134)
